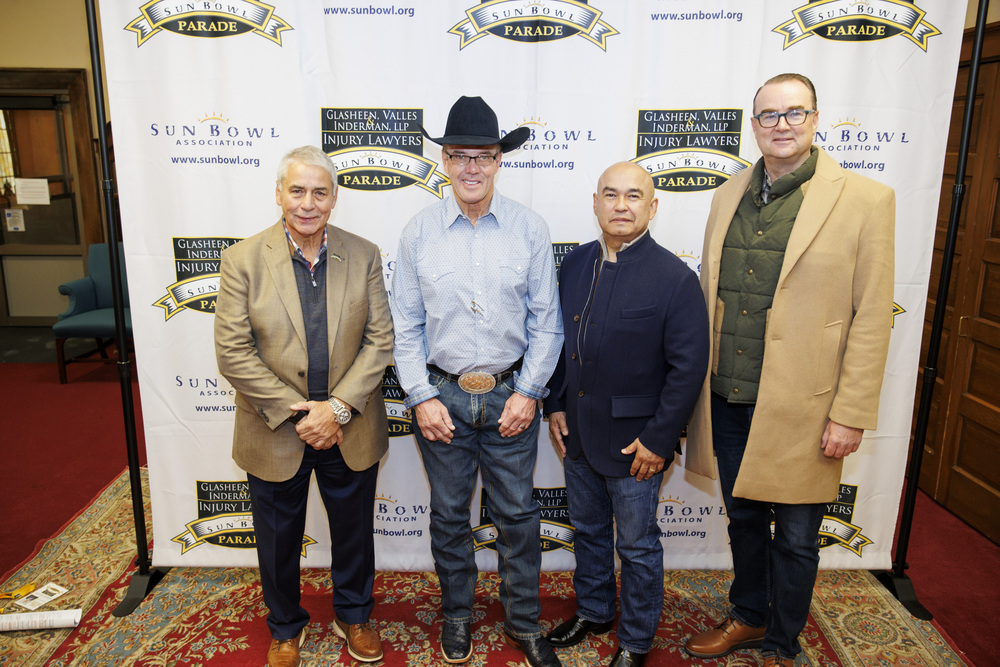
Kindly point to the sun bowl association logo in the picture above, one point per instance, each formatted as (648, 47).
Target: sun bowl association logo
(837, 527)
(224, 518)
(533, 21)
(379, 149)
(208, 19)
(554, 533)
(857, 21)
(689, 150)
(196, 268)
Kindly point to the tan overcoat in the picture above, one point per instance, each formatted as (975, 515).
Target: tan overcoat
(826, 338)
(260, 343)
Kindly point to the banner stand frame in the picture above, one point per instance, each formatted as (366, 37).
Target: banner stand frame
(896, 580)
(146, 578)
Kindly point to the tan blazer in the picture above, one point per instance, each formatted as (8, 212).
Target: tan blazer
(826, 338)
(260, 344)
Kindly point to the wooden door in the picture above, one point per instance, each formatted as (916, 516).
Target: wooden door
(962, 454)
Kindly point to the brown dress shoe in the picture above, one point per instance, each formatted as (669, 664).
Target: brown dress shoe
(363, 642)
(725, 638)
(774, 660)
(285, 652)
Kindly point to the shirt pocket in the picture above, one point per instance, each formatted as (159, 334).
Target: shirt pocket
(513, 280)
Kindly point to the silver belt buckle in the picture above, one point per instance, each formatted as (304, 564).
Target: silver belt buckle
(476, 382)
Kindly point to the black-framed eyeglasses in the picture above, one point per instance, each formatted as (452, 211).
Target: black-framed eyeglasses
(793, 117)
(484, 160)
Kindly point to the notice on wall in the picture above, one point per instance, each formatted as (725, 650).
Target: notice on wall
(32, 191)
(14, 218)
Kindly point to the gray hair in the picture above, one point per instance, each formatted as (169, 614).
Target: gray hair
(307, 155)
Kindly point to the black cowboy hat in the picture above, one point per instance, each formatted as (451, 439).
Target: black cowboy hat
(471, 122)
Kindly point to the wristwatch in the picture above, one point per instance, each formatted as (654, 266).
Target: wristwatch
(340, 411)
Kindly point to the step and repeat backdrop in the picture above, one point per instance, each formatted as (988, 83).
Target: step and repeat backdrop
(207, 96)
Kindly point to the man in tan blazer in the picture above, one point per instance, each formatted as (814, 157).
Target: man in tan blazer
(303, 333)
(797, 271)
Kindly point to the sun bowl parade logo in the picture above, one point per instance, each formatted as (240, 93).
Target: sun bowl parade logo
(224, 518)
(379, 149)
(896, 310)
(533, 21)
(196, 267)
(857, 21)
(837, 528)
(689, 150)
(398, 415)
(208, 19)
(554, 533)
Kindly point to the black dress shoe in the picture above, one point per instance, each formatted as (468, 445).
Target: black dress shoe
(575, 630)
(537, 651)
(456, 642)
(627, 658)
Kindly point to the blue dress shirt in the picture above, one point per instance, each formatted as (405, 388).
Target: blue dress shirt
(475, 297)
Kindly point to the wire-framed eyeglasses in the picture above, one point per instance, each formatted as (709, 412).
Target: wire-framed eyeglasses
(793, 117)
(483, 160)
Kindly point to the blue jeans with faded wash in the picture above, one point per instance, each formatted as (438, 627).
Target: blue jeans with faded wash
(507, 466)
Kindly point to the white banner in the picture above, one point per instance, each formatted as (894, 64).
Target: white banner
(207, 96)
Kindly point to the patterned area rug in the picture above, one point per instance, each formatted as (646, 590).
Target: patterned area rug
(199, 615)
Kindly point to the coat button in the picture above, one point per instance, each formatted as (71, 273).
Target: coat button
(736, 390)
(760, 233)
(576, 318)
(739, 353)
(750, 272)
(744, 312)
(579, 393)
(573, 356)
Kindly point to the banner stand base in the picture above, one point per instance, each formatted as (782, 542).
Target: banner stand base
(138, 588)
(902, 588)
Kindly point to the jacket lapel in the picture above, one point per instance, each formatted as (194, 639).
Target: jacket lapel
(277, 258)
(337, 270)
(821, 194)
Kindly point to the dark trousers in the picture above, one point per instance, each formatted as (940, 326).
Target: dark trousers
(773, 578)
(279, 517)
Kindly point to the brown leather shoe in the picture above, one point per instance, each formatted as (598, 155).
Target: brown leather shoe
(725, 638)
(775, 660)
(285, 652)
(363, 642)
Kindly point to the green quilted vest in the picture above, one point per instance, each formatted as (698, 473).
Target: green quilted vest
(748, 276)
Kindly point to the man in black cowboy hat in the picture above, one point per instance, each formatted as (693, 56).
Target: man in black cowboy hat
(478, 333)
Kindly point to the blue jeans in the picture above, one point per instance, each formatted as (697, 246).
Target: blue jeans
(507, 466)
(279, 519)
(597, 504)
(773, 579)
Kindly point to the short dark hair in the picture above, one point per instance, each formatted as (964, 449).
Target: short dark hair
(788, 76)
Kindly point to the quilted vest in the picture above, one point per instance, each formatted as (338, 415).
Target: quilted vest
(748, 276)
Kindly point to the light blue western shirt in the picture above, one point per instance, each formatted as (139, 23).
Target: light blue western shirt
(475, 298)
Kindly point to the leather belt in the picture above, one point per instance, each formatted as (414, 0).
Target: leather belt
(477, 382)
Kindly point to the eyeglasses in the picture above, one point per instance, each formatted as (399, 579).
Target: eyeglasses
(793, 117)
(484, 160)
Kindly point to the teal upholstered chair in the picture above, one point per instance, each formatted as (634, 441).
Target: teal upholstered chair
(91, 313)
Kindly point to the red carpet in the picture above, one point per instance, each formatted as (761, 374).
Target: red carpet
(61, 445)
(955, 570)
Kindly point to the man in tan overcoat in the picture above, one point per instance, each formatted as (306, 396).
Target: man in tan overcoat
(303, 333)
(797, 272)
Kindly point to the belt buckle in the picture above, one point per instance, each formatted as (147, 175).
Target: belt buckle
(476, 382)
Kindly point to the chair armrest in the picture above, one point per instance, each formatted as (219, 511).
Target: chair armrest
(82, 296)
